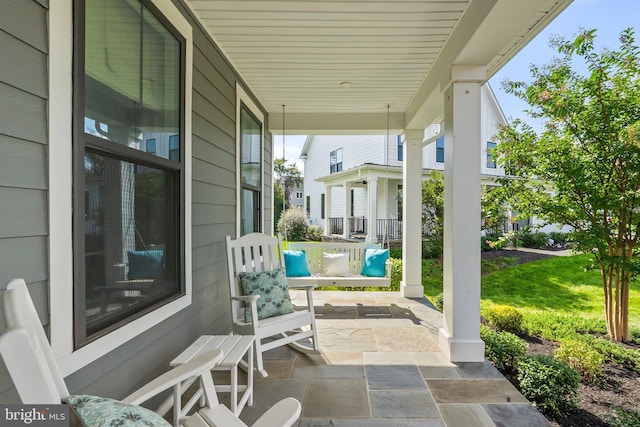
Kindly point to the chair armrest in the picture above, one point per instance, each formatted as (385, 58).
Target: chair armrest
(304, 286)
(283, 414)
(247, 299)
(195, 367)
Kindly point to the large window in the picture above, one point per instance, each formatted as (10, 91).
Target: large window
(440, 150)
(491, 161)
(335, 161)
(251, 171)
(400, 150)
(129, 174)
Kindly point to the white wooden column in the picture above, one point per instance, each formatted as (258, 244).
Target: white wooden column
(411, 285)
(372, 211)
(460, 336)
(347, 210)
(327, 210)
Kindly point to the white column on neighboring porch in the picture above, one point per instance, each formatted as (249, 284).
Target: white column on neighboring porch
(460, 336)
(372, 211)
(347, 210)
(411, 285)
(327, 210)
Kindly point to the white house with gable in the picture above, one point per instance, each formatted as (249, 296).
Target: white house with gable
(357, 179)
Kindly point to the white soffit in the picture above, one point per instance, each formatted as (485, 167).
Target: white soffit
(355, 56)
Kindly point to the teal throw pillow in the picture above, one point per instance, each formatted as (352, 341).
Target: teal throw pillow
(145, 264)
(375, 262)
(295, 262)
(273, 290)
(99, 411)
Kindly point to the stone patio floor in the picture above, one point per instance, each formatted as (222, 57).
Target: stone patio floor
(381, 367)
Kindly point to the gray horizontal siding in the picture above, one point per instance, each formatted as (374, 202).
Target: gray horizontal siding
(23, 71)
(22, 212)
(27, 21)
(23, 164)
(23, 115)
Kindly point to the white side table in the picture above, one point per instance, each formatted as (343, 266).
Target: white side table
(234, 348)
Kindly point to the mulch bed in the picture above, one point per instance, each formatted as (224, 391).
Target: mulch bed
(622, 387)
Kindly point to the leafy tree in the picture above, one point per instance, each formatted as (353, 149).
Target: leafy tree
(433, 213)
(289, 176)
(583, 168)
(278, 198)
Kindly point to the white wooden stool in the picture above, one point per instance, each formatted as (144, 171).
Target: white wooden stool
(234, 348)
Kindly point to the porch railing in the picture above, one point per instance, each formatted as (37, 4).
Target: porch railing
(357, 224)
(389, 229)
(336, 225)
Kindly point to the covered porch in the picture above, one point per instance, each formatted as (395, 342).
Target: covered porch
(382, 367)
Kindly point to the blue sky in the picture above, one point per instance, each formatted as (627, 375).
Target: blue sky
(609, 17)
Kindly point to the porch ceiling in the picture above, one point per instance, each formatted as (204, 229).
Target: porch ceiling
(337, 64)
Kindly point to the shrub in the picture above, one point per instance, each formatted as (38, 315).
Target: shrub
(558, 236)
(293, 224)
(612, 351)
(396, 274)
(550, 384)
(505, 318)
(534, 240)
(503, 349)
(623, 418)
(581, 357)
(314, 233)
(438, 301)
(395, 253)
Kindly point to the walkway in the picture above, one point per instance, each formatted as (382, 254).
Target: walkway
(382, 367)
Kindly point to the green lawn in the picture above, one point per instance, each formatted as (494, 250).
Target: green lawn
(559, 285)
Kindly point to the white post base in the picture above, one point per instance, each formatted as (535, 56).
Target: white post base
(461, 350)
(408, 290)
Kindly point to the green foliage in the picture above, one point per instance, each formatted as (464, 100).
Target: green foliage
(293, 224)
(438, 301)
(558, 236)
(612, 351)
(433, 215)
(278, 197)
(549, 384)
(314, 233)
(623, 418)
(581, 357)
(503, 349)
(396, 274)
(288, 177)
(533, 240)
(557, 326)
(504, 318)
(581, 170)
(395, 253)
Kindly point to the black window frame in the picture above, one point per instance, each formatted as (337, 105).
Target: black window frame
(440, 150)
(256, 190)
(491, 162)
(322, 206)
(83, 143)
(335, 166)
(308, 204)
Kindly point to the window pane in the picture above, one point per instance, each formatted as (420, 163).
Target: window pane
(130, 228)
(250, 211)
(491, 163)
(251, 135)
(440, 150)
(132, 76)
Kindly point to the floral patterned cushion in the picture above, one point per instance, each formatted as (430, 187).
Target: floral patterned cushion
(273, 290)
(102, 412)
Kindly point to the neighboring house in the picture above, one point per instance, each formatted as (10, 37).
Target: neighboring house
(296, 199)
(349, 179)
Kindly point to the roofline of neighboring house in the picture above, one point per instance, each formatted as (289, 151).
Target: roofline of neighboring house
(369, 170)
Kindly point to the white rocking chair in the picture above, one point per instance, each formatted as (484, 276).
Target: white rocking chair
(257, 252)
(30, 362)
